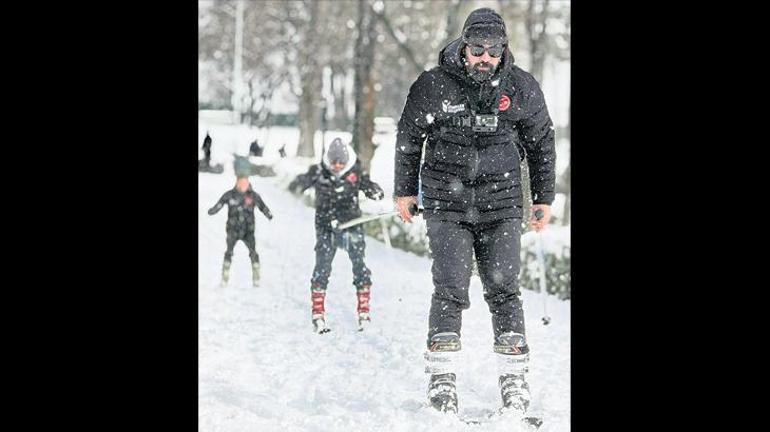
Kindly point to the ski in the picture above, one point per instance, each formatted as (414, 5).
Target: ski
(531, 423)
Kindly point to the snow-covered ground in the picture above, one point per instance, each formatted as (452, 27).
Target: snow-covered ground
(261, 368)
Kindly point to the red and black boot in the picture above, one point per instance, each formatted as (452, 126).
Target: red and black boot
(319, 316)
(363, 293)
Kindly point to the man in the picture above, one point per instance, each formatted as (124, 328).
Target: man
(337, 181)
(241, 201)
(481, 115)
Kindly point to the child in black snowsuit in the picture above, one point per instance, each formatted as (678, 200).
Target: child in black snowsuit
(337, 181)
(241, 201)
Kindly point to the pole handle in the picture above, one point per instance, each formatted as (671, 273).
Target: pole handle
(414, 210)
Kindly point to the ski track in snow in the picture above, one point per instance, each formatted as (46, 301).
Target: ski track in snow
(261, 368)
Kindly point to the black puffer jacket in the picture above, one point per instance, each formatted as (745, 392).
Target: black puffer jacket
(474, 176)
(240, 210)
(336, 195)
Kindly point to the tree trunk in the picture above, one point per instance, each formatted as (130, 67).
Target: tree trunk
(365, 130)
(237, 94)
(340, 120)
(310, 74)
(363, 124)
(537, 56)
(536, 28)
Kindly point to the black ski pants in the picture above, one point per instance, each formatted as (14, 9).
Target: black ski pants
(247, 237)
(496, 246)
(327, 242)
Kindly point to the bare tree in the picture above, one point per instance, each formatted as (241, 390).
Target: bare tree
(412, 35)
(536, 29)
(338, 52)
(453, 23)
(341, 120)
(310, 80)
(217, 37)
(363, 123)
(261, 92)
(399, 38)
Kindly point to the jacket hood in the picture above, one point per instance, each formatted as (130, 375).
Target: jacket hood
(352, 158)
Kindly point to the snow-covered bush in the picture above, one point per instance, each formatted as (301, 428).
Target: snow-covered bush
(557, 273)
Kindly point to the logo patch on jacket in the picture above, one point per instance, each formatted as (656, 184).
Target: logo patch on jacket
(248, 201)
(447, 108)
(505, 103)
(352, 178)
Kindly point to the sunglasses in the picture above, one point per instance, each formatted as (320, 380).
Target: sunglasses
(494, 51)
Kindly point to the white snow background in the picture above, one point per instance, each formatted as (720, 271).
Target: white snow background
(261, 368)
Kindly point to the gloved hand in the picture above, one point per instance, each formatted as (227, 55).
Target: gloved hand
(540, 224)
(293, 186)
(403, 205)
(375, 193)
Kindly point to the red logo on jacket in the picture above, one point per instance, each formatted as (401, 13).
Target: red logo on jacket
(352, 178)
(505, 103)
(248, 201)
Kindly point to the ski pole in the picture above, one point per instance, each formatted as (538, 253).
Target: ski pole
(541, 258)
(413, 210)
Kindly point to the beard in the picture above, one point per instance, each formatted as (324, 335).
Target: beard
(481, 75)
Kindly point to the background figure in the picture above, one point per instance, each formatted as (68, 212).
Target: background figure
(241, 201)
(207, 149)
(255, 149)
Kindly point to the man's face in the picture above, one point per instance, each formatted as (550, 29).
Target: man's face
(336, 166)
(480, 63)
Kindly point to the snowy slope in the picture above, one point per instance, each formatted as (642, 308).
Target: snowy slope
(261, 368)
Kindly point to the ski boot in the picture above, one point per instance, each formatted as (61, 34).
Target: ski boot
(255, 273)
(225, 273)
(319, 324)
(318, 313)
(363, 307)
(442, 391)
(512, 359)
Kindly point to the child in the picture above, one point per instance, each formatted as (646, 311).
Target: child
(240, 219)
(337, 181)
